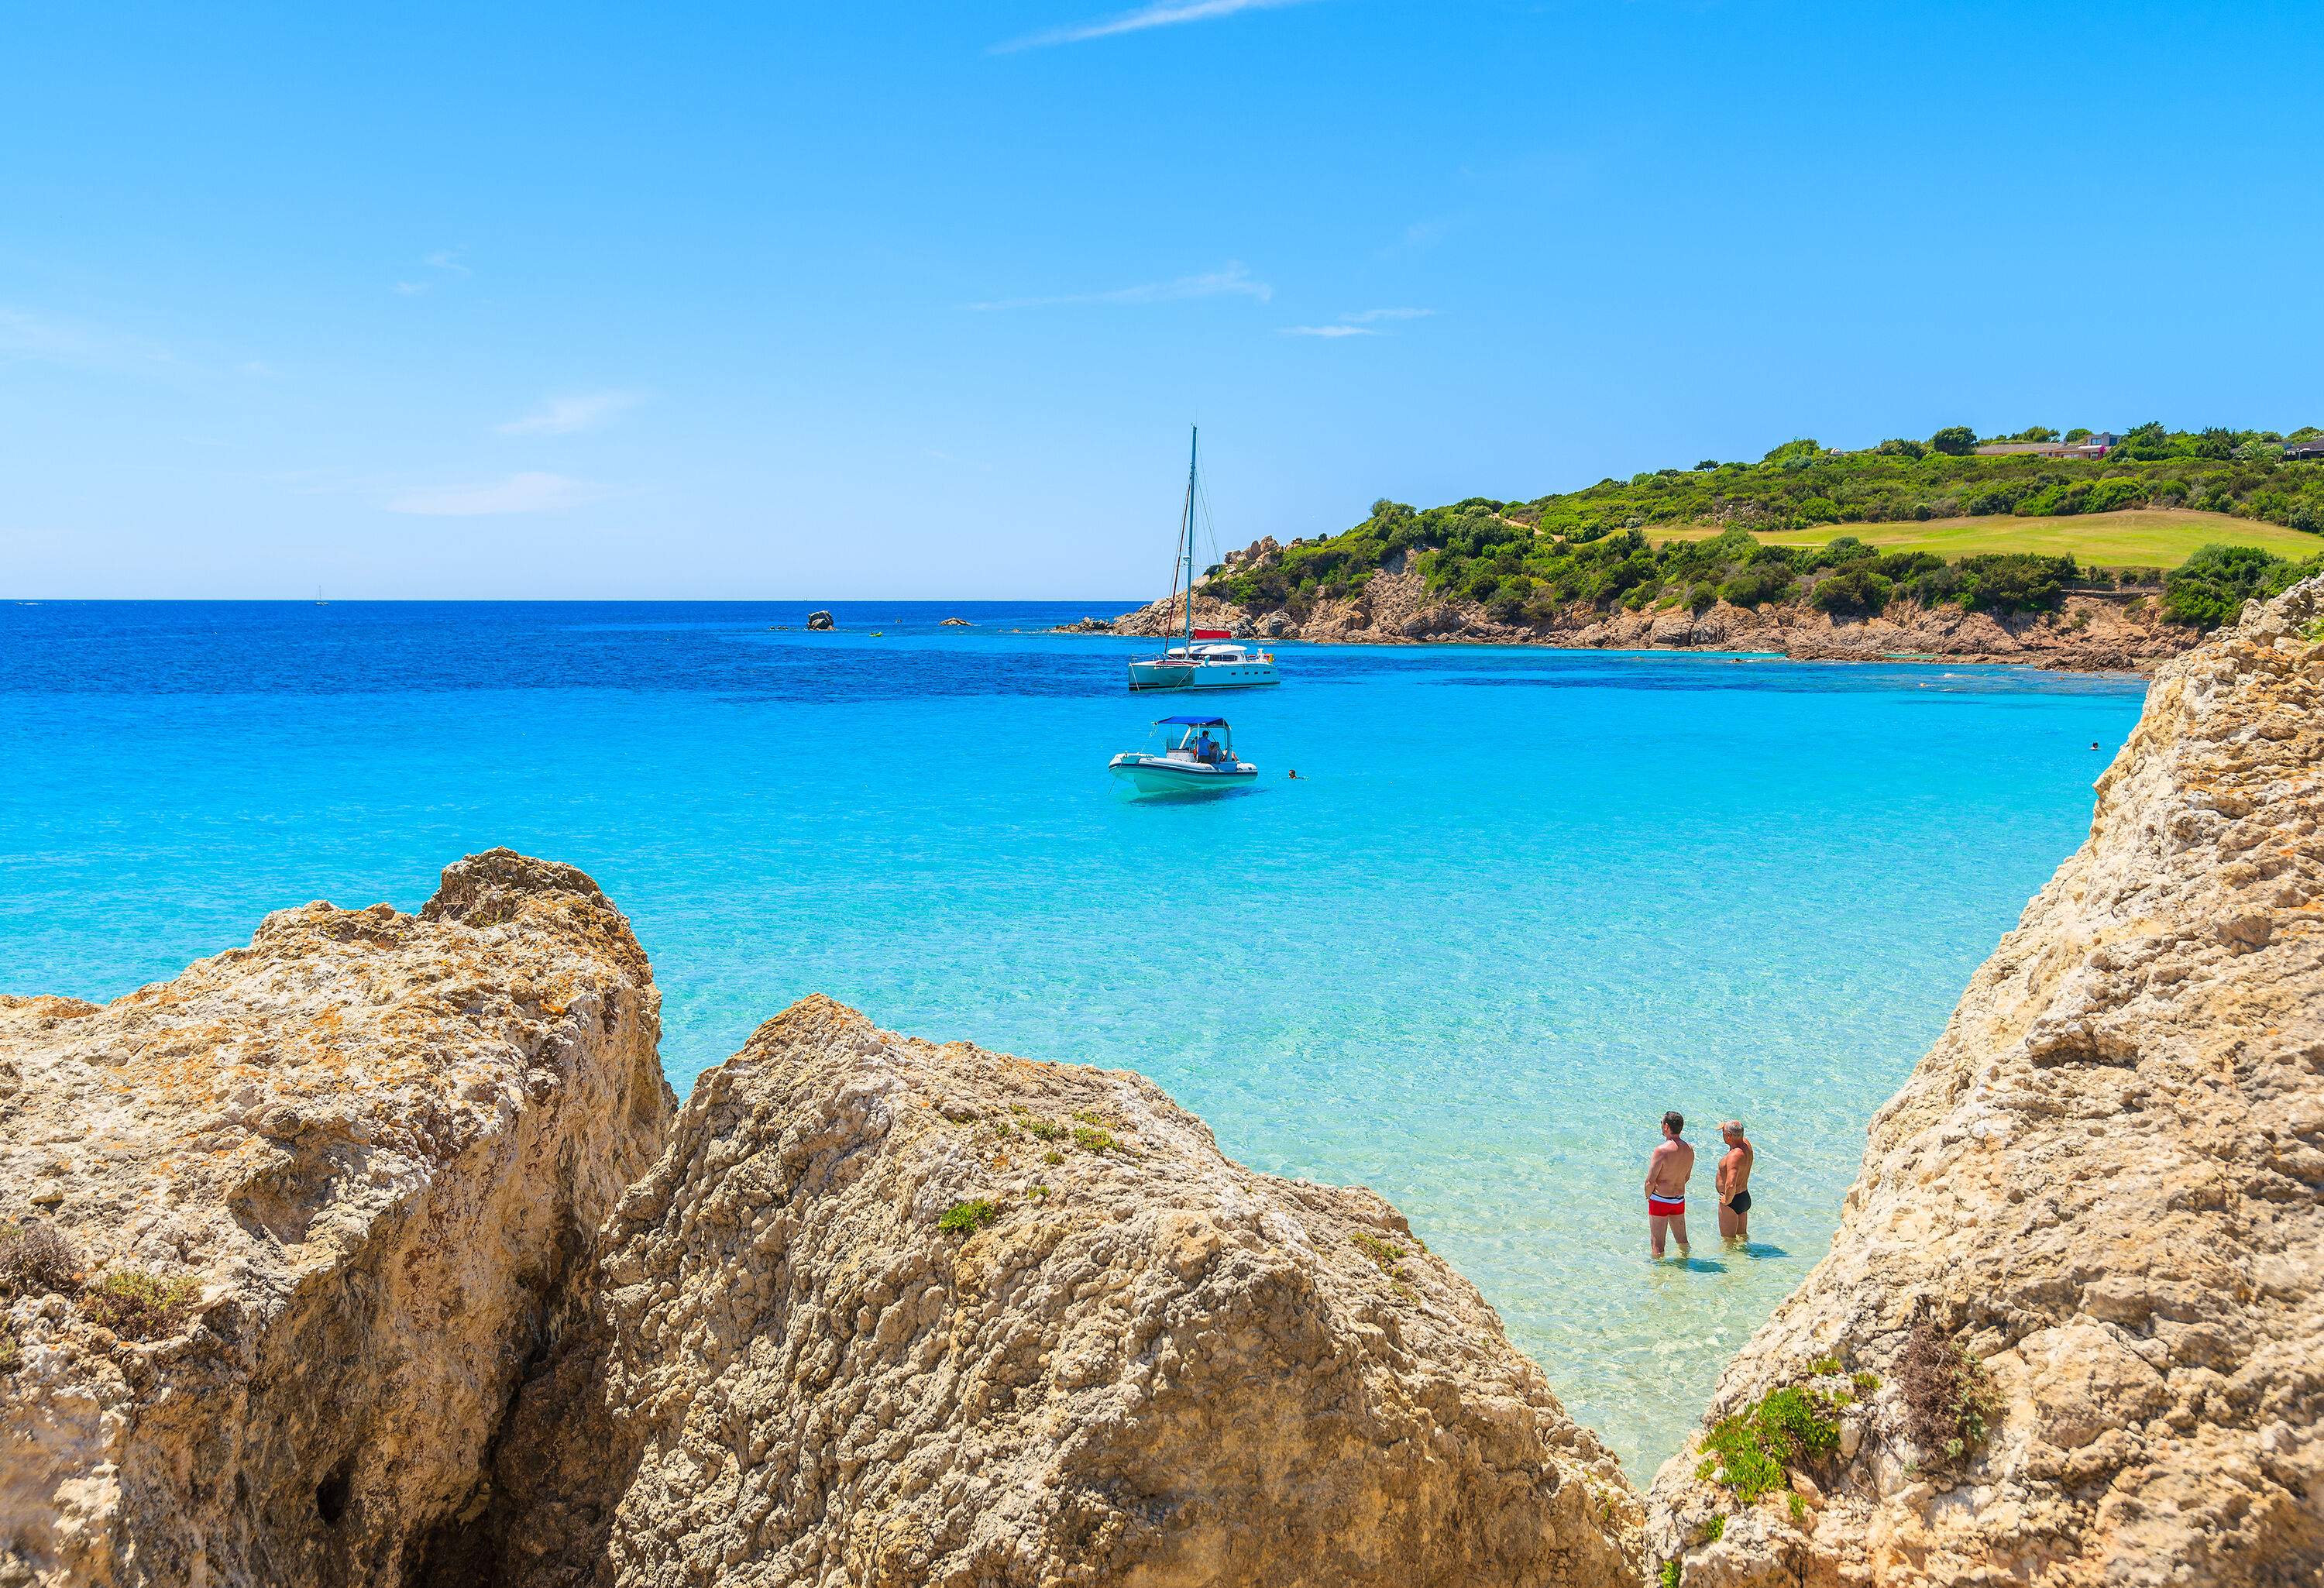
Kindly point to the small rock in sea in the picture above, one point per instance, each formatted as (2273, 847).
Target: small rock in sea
(955, 622)
(818, 620)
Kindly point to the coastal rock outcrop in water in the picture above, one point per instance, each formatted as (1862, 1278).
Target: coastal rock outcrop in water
(2072, 1329)
(332, 1197)
(889, 1312)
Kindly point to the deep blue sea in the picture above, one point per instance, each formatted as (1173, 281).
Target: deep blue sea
(1518, 904)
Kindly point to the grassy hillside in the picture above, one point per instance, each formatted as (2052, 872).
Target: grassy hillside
(2224, 511)
(2132, 538)
(1801, 484)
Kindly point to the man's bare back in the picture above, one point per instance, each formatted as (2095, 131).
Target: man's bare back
(1734, 1182)
(1668, 1169)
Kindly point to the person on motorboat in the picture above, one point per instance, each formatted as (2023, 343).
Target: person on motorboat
(1206, 750)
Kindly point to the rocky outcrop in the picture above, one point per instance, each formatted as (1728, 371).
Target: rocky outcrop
(2072, 1329)
(318, 1268)
(889, 1314)
(2089, 632)
(818, 620)
(332, 1195)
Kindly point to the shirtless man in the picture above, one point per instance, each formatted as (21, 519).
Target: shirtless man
(1666, 1175)
(1734, 1182)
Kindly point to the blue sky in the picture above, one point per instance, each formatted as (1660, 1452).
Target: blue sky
(791, 300)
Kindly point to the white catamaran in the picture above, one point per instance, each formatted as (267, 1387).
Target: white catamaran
(1202, 659)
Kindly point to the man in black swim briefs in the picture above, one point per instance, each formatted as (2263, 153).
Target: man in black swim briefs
(1734, 1184)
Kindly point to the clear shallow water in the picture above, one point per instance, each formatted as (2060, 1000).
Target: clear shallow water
(1518, 904)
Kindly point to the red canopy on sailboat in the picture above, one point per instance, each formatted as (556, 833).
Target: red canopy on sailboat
(1214, 633)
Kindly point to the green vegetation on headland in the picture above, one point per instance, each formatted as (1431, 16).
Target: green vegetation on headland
(1532, 562)
(1802, 483)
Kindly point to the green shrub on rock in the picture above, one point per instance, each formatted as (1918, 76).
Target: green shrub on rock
(139, 1304)
(1754, 1451)
(1853, 592)
(2210, 588)
(1950, 1402)
(966, 1218)
(37, 1261)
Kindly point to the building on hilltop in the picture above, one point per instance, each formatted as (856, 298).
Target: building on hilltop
(2097, 444)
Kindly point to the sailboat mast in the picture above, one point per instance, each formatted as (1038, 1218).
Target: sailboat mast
(1193, 443)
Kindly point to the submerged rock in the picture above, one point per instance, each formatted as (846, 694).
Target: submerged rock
(2072, 1329)
(887, 1313)
(333, 1194)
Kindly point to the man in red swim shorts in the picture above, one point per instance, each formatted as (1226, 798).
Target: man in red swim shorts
(1666, 1175)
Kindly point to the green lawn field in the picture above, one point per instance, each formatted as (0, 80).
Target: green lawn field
(2134, 538)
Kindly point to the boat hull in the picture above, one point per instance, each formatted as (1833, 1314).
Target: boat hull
(1176, 777)
(1201, 675)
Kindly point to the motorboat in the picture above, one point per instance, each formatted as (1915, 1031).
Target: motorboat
(1183, 757)
(1201, 658)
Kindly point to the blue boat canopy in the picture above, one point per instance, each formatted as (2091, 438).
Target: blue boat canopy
(1195, 722)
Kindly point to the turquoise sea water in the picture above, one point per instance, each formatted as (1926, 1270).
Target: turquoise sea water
(1518, 904)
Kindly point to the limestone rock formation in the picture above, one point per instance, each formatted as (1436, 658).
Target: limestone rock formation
(331, 1194)
(887, 1313)
(2081, 1274)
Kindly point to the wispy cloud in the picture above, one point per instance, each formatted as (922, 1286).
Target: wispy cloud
(1232, 281)
(1159, 13)
(561, 415)
(520, 493)
(1362, 323)
(446, 260)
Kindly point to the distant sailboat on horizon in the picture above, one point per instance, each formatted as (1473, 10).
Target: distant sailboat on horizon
(319, 596)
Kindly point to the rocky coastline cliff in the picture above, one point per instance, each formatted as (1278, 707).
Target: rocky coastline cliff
(2090, 633)
(2071, 1327)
